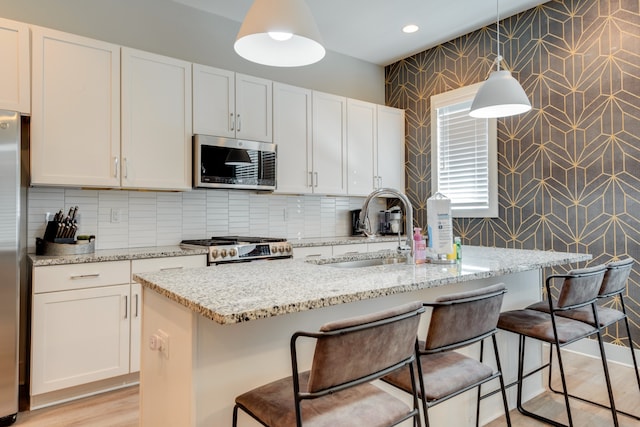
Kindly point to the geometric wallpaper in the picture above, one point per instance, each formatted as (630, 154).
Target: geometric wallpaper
(569, 169)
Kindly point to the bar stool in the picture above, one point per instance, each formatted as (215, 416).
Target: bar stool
(613, 286)
(349, 354)
(579, 289)
(457, 321)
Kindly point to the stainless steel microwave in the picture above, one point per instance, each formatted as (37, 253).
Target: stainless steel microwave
(233, 163)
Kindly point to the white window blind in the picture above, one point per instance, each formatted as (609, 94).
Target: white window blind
(463, 155)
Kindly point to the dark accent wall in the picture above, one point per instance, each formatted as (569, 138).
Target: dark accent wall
(569, 170)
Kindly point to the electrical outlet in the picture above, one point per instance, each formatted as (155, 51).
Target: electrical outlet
(116, 215)
(163, 343)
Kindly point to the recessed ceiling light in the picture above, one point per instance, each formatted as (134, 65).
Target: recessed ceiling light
(411, 28)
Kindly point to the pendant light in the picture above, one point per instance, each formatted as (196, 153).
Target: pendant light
(279, 33)
(500, 95)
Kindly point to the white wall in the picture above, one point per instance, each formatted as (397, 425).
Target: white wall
(172, 29)
(165, 218)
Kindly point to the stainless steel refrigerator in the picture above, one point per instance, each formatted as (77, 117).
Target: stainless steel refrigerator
(12, 256)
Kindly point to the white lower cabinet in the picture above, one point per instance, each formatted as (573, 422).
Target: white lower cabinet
(86, 322)
(80, 324)
(337, 250)
(79, 336)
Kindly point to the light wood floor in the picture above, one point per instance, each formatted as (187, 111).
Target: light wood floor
(120, 408)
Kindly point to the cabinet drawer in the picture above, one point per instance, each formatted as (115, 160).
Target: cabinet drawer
(167, 263)
(78, 276)
(312, 251)
(348, 249)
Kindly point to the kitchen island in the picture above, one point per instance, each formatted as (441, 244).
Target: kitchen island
(212, 333)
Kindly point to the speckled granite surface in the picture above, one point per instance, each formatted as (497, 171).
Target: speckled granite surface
(169, 251)
(115, 255)
(234, 293)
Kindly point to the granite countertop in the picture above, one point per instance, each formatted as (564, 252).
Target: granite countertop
(104, 255)
(233, 293)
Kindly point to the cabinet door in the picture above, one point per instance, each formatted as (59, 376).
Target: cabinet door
(390, 148)
(292, 135)
(156, 121)
(135, 327)
(254, 108)
(79, 336)
(361, 139)
(75, 120)
(213, 101)
(329, 144)
(14, 67)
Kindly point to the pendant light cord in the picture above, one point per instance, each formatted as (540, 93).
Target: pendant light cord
(499, 57)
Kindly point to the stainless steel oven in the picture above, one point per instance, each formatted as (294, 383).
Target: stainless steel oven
(226, 249)
(233, 163)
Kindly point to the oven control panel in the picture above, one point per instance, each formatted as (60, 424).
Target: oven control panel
(247, 252)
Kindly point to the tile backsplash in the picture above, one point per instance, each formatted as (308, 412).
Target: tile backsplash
(129, 219)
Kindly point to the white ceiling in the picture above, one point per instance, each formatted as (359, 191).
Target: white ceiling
(371, 29)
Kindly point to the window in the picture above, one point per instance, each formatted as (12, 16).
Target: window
(463, 155)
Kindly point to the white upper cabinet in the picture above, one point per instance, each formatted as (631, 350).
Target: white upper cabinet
(14, 67)
(231, 105)
(84, 134)
(75, 121)
(390, 148)
(292, 135)
(214, 101)
(156, 121)
(329, 144)
(361, 141)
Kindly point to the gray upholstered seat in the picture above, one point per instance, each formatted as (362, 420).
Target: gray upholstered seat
(614, 285)
(336, 392)
(578, 292)
(457, 320)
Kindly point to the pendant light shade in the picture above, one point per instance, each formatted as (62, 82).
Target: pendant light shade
(279, 33)
(500, 95)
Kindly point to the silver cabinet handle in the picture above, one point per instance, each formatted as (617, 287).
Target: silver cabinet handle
(115, 167)
(316, 176)
(125, 163)
(232, 123)
(310, 180)
(239, 123)
(126, 306)
(84, 276)
(137, 305)
(172, 268)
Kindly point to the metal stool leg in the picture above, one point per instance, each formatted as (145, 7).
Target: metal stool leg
(501, 379)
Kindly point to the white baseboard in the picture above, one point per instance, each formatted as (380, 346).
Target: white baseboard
(615, 353)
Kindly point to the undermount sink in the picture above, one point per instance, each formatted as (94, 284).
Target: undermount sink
(367, 262)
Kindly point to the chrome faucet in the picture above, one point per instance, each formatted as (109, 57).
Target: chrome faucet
(409, 248)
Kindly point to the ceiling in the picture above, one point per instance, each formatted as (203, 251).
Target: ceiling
(371, 29)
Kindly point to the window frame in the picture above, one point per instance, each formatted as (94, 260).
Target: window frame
(453, 97)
